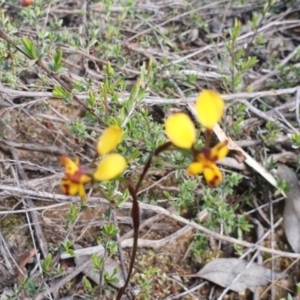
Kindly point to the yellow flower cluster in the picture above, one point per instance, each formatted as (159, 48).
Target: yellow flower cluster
(179, 129)
(110, 166)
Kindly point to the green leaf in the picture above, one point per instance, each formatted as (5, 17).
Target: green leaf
(71, 252)
(114, 280)
(97, 261)
(29, 48)
(87, 284)
(47, 263)
(60, 92)
(57, 56)
(91, 100)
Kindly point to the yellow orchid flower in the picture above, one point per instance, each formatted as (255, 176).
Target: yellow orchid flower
(114, 164)
(110, 166)
(181, 131)
(74, 172)
(76, 177)
(71, 189)
(204, 162)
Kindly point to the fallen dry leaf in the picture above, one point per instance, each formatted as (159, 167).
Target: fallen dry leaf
(291, 215)
(24, 259)
(223, 271)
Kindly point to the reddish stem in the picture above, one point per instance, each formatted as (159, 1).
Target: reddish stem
(208, 134)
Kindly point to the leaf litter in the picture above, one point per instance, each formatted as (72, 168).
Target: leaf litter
(39, 127)
(291, 214)
(237, 274)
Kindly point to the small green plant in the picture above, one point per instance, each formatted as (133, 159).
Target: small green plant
(62, 93)
(67, 244)
(295, 139)
(56, 64)
(46, 263)
(186, 196)
(282, 186)
(199, 246)
(98, 262)
(27, 285)
(72, 216)
(221, 213)
(30, 49)
(238, 65)
(111, 278)
(238, 113)
(77, 128)
(145, 282)
(272, 131)
(106, 278)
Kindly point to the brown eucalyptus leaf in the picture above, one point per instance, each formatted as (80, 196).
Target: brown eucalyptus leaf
(222, 271)
(291, 214)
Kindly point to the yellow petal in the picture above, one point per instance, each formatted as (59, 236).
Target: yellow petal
(109, 139)
(195, 168)
(219, 151)
(81, 192)
(209, 108)
(70, 166)
(180, 130)
(109, 167)
(212, 175)
(85, 179)
(68, 187)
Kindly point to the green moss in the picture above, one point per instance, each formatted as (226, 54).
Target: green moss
(11, 221)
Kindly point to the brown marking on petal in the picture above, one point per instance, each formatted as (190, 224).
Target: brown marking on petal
(214, 182)
(77, 176)
(201, 154)
(201, 157)
(206, 153)
(218, 148)
(66, 188)
(74, 177)
(213, 158)
(197, 156)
